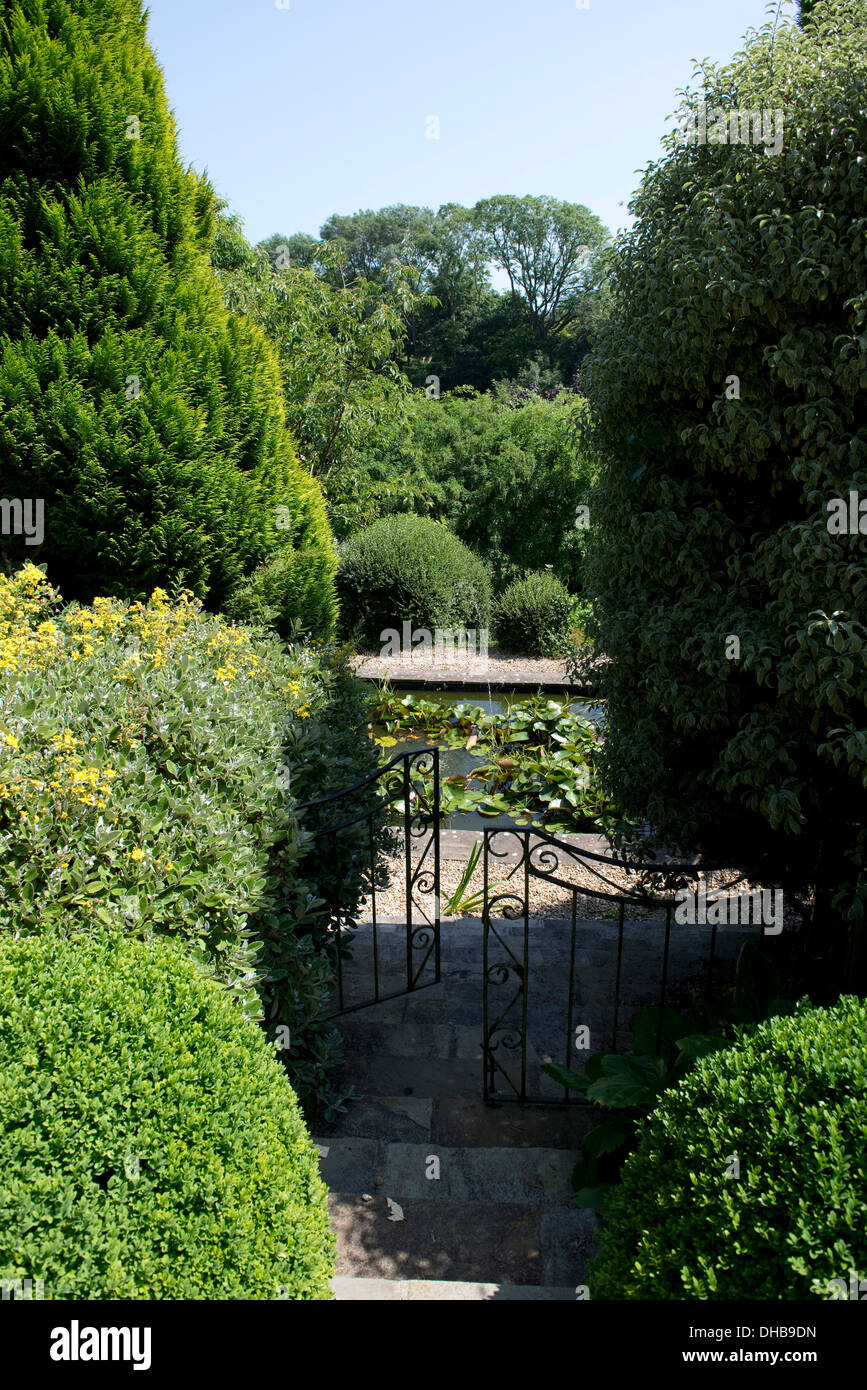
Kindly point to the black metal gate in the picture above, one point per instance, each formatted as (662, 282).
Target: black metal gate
(400, 800)
(531, 1006)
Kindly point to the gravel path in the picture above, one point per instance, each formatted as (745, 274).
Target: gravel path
(546, 899)
(499, 667)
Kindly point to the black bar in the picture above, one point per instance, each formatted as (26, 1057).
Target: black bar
(486, 1065)
(617, 978)
(571, 987)
(525, 982)
(664, 978)
(436, 835)
(407, 855)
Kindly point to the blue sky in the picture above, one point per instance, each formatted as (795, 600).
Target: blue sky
(324, 106)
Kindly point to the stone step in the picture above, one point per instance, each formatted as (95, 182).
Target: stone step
(364, 1035)
(374, 1049)
(478, 1242)
(457, 1122)
(347, 1290)
(436, 1173)
(414, 1076)
(396, 1047)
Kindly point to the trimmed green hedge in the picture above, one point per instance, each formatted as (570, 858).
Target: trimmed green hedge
(411, 569)
(533, 614)
(150, 1144)
(789, 1101)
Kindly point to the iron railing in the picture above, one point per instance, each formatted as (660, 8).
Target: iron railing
(409, 784)
(510, 959)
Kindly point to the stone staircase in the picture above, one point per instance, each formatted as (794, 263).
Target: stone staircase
(433, 1194)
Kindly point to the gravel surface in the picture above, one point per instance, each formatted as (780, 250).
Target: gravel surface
(498, 666)
(546, 899)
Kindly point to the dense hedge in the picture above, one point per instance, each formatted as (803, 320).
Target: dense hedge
(790, 1103)
(728, 392)
(533, 615)
(150, 1144)
(507, 477)
(151, 761)
(147, 418)
(406, 568)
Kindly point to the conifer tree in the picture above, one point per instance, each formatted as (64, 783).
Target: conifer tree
(147, 418)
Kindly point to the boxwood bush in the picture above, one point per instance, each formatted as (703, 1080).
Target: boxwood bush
(789, 1102)
(408, 568)
(151, 761)
(533, 614)
(150, 1144)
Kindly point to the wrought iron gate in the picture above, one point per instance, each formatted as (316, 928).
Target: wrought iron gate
(529, 981)
(400, 798)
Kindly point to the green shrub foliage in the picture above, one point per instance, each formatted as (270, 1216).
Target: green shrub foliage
(729, 393)
(410, 569)
(150, 1144)
(789, 1102)
(507, 473)
(147, 418)
(153, 759)
(533, 614)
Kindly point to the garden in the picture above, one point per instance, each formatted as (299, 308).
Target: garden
(264, 464)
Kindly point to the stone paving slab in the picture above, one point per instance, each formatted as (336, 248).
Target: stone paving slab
(495, 669)
(371, 1038)
(352, 1163)
(503, 1176)
(434, 1173)
(569, 1239)
(456, 1122)
(414, 1076)
(484, 1242)
(441, 1290)
(398, 1119)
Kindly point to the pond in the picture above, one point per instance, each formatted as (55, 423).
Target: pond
(459, 761)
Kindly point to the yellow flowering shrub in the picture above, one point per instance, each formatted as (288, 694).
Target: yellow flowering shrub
(140, 747)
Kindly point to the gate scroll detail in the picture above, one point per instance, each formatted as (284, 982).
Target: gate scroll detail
(401, 797)
(531, 979)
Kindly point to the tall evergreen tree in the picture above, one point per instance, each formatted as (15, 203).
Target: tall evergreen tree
(146, 416)
(728, 394)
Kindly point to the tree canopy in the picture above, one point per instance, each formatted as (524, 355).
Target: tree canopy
(147, 418)
(728, 392)
(459, 328)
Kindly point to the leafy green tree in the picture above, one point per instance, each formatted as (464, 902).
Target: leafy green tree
(146, 417)
(459, 329)
(336, 346)
(729, 401)
(372, 242)
(546, 248)
(299, 250)
(508, 480)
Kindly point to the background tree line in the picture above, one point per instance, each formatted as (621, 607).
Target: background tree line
(458, 326)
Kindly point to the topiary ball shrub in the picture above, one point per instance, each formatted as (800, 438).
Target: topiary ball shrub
(534, 614)
(411, 569)
(789, 1102)
(150, 1144)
